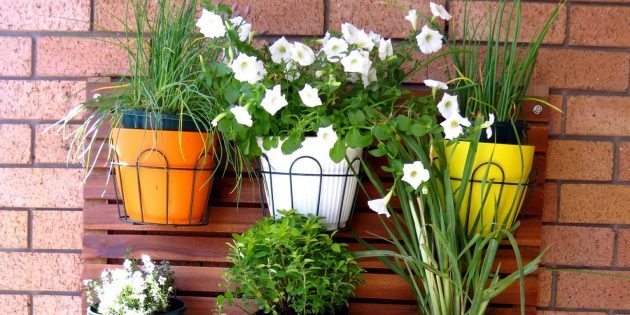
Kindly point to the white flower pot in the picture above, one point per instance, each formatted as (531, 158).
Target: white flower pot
(310, 182)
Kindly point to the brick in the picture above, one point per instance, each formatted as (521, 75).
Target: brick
(623, 248)
(623, 169)
(569, 243)
(590, 29)
(383, 17)
(555, 116)
(544, 288)
(583, 69)
(13, 229)
(40, 271)
(57, 229)
(56, 304)
(17, 54)
(569, 313)
(80, 57)
(39, 99)
(14, 304)
(41, 187)
(16, 145)
(598, 115)
(583, 160)
(579, 289)
(48, 15)
(550, 207)
(52, 144)
(588, 203)
(533, 15)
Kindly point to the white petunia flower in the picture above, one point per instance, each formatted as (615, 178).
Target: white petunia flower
(310, 96)
(281, 50)
(353, 35)
(244, 28)
(326, 38)
(211, 24)
(369, 78)
(415, 174)
(435, 84)
(248, 69)
(429, 41)
(412, 17)
(448, 105)
(274, 100)
(302, 54)
(439, 11)
(380, 205)
(241, 115)
(357, 62)
(376, 38)
(327, 136)
(335, 49)
(453, 126)
(487, 124)
(292, 73)
(385, 49)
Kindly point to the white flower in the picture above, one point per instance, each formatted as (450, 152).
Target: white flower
(326, 38)
(248, 69)
(244, 28)
(274, 100)
(380, 205)
(210, 24)
(385, 49)
(241, 115)
(302, 54)
(96, 96)
(327, 136)
(353, 35)
(415, 174)
(357, 62)
(309, 96)
(281, 50)
(487, 125)
(429, 41)
(412, 17)
(376, 38)
(448, 105)
(369, 78)
(439, 11)
(127, 264)
(292, 73)
(435, 84)
(335, 49)
(453, 126)
(148, 264)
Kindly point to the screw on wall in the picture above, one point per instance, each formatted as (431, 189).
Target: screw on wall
(537, 109)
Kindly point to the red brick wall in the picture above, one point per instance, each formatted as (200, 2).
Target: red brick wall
(47, 54)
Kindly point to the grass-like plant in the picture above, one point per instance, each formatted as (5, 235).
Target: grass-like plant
(449, 271)
(290, 265)
(497, 69)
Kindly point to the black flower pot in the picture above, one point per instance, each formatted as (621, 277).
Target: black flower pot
(175, 307)
(139, 119)
(507, 132)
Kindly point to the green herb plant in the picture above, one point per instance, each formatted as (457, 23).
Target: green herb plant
(290, 266)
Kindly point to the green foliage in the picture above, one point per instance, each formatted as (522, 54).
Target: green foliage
(494, 71)
(290, 265)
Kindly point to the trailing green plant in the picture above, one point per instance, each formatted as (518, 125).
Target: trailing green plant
(136, 289)
(166, 58)
(290, 265)
(498, 68)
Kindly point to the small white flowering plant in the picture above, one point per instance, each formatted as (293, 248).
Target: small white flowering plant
(330, 88)
(141, 287)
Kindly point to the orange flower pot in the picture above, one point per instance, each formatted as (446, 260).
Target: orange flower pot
(163, 176)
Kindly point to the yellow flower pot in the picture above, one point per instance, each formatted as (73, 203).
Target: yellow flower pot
(496, 201)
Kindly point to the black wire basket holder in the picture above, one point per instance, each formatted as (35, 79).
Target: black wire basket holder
(196, 169)
(268, 195)
(530, 184)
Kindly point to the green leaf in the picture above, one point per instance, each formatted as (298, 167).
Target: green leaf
(291, 144)
(232, 92)
(419, 130)
(336, 248)
(338, 151)
(378, 152)
(403, 123)
(357, 140)
(356, 117)
(381, 132)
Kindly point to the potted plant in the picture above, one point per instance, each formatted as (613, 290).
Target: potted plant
(135, 289)
(304, 110)
(290, 266)
(158, 118)
(492, 77)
